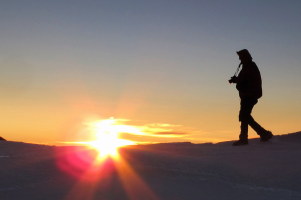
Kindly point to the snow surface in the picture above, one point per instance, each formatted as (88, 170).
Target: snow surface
(175, 171)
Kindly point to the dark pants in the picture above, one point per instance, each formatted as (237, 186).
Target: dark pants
(246, 106)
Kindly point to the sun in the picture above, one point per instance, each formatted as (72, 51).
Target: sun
(107, 141)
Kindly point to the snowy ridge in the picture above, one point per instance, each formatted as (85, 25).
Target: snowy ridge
(173, 171)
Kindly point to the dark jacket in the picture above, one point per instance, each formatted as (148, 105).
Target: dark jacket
(249, 81)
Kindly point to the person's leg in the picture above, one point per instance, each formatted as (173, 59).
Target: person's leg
(243, 131)
(256, 127)
(246, 119)
(246, 106)
(264, 134)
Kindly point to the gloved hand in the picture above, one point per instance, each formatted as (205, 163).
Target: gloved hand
(233, 79)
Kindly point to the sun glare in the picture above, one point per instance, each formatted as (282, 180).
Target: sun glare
(107, 139)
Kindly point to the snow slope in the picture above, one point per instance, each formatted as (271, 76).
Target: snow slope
(173, 171)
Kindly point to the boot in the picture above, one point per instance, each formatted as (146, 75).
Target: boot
(267, 135)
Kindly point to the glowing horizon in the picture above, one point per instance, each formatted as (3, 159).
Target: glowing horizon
(112, 133)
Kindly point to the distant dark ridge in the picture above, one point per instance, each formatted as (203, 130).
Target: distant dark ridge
(291, 137)
(163, 146)
(173, 144)
(2, 139)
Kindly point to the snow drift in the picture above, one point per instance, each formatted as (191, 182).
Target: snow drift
(163, 171)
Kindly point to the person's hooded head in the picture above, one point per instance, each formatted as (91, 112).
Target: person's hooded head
(244, 56)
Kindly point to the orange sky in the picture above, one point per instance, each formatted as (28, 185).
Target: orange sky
(64, 120)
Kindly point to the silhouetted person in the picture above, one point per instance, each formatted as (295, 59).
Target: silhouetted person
(248, 83)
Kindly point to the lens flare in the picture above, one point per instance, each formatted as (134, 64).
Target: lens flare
(97, 165)
(107, 139)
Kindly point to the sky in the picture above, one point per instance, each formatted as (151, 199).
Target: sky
(160, 66)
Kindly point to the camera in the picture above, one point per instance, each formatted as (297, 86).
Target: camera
(233, 79)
